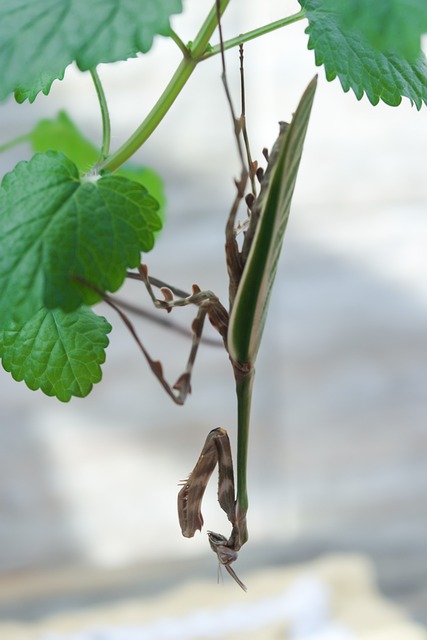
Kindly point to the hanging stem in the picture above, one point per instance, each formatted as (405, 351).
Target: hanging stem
(244, 383)
(106, 127)
(153, 119)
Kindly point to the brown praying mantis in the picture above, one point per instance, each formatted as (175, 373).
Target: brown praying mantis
(251, 269)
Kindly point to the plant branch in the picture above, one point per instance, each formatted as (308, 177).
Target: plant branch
(168, 97)
(153, 119)
(106, 127)
(175, 37)
(255, 33)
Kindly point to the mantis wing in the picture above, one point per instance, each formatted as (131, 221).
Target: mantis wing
(251, 303)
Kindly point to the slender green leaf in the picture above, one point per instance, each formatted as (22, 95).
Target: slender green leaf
(346, 52)
(59, 353)
(62, 241)
(250, 306)
(40, 38)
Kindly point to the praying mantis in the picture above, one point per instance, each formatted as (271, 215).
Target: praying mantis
(251, 269)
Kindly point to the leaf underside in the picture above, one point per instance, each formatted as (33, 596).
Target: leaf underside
(38, 40)
(250, 306)
(62, 241)
(347, 53)
(59, 353)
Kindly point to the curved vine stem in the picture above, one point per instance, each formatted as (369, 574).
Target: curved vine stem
(106, 127)
(168, 97)
(175, 37)
(153, 119)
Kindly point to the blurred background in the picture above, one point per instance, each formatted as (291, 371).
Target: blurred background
(338, 450)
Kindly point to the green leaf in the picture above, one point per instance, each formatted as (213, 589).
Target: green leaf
(250, 306)
(61, 134)
(59, 353)
(41, 83)
(389, 25)
(150, 180)
(346, 52)
(62, 241)
(38, 40)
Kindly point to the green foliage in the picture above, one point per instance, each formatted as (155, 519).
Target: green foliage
(59, 353)
(151, 180)
(69, 229)
(61, 134)
(57, 232)
(345, 51)
(38, 40)
(389, 25)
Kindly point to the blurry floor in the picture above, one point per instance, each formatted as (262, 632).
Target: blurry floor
(332, 598)
(30, 596)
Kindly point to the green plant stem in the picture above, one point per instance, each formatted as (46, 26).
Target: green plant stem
(153, 119)
(175, 37)
(168, 97)
(255, 33)
(14, 143)
(244, 384)
(106, 127)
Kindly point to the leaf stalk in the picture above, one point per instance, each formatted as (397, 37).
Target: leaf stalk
(106, 126)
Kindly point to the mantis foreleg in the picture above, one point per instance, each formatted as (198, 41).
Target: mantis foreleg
(207, 303)
(215, 450)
